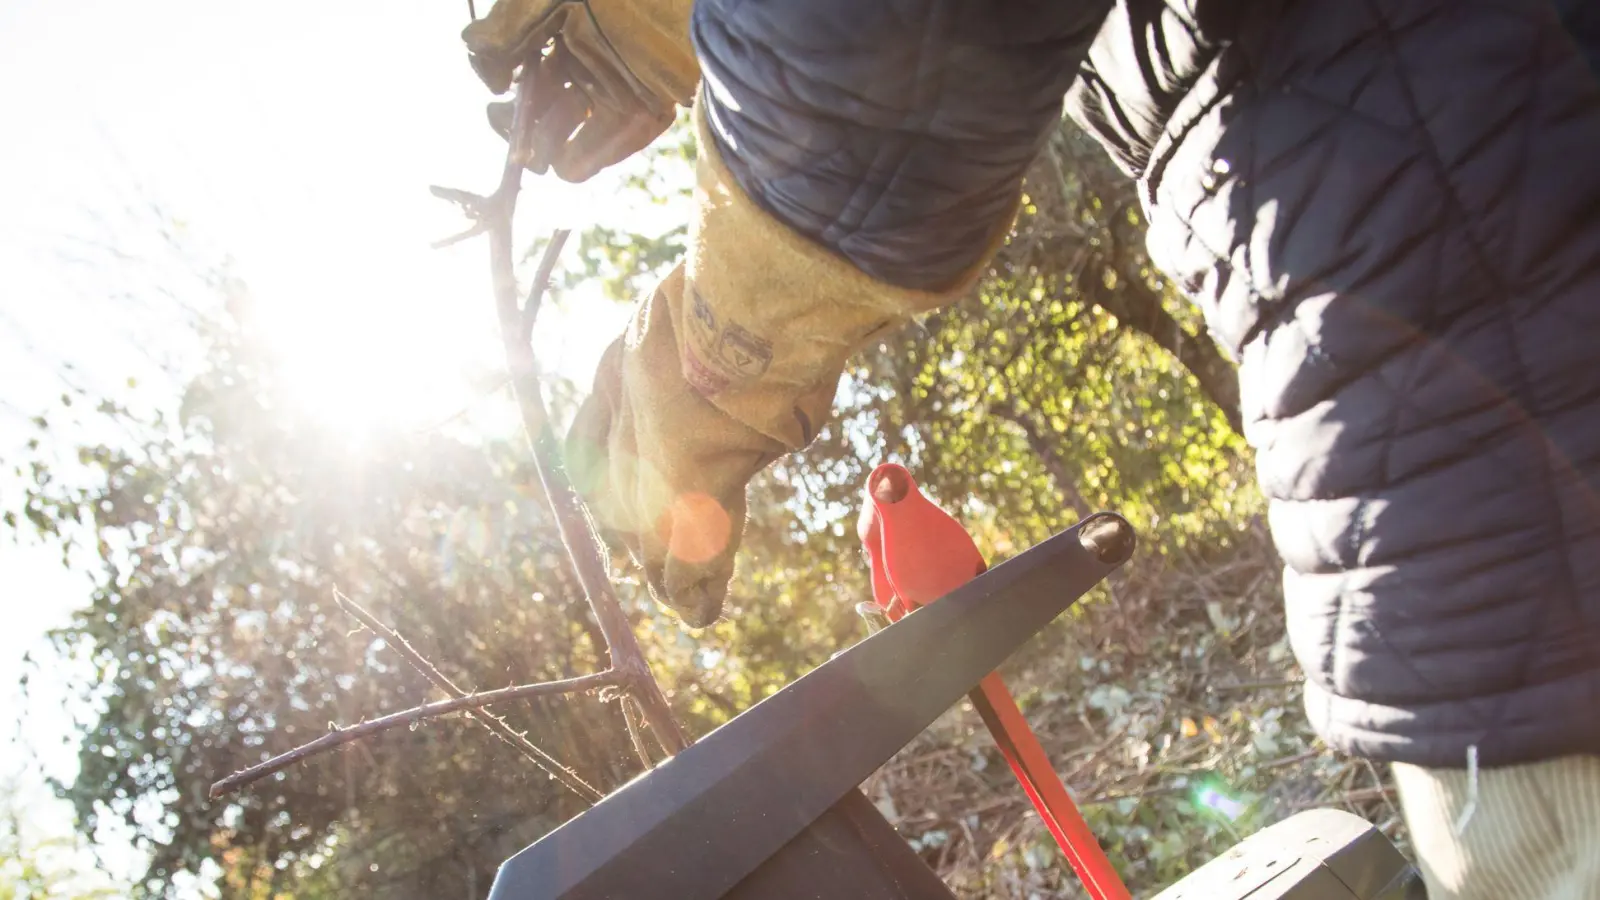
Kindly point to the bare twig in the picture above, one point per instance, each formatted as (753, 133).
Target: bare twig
(629, 717)
(494, 723)
(464, 411)
(472, 231)
(572, 521)
(472, 205)
(1349, 798)
(1262, 685)
(1290, 760)
(340, 736)
(541, 281)
(629, 672)
(1377, 780)
(1158, 791)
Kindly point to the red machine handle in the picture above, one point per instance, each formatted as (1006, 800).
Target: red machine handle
(918, 554)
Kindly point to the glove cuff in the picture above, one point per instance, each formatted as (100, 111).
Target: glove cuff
(771, 317)
(663, 57)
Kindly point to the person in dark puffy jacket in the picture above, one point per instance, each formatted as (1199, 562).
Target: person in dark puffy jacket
(1388, 210)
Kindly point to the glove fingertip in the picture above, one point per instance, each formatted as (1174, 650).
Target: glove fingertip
(492, 72)
(694, 597)
(698, 606)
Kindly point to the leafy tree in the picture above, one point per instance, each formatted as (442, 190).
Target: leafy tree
(1072, 378)
(214, 640)
(36, 867)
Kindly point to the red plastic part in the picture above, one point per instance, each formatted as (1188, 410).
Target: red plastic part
(918, 554)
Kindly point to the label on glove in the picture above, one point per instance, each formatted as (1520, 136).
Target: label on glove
(718, 356)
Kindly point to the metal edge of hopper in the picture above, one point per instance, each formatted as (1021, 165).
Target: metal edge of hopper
(695, 825)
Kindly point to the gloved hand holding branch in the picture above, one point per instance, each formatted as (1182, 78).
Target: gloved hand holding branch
(607, 74)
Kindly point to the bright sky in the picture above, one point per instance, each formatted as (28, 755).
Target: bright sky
(296, 139)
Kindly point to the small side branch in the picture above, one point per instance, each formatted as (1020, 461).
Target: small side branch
(541, 281)
(494, 723)
(629, 672)
(338, 737)
(1266, 684)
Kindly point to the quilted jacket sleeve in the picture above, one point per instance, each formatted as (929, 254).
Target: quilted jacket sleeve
(1582, 21)
(893, 132)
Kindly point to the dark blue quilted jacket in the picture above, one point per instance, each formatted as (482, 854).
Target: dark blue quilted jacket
(1389, 211)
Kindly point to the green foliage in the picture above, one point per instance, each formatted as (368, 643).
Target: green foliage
(1024, 407)
(212, 640)
(34, 867)
(1072, 379)
(657, 187)
(1133, 701)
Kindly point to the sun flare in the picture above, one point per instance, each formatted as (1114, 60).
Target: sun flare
(371, 340)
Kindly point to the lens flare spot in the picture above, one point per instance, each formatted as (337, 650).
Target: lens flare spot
(696, 528)
(1212, 799)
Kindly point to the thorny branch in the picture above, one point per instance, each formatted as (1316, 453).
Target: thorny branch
(541, 281)
(337, 736)
(630, 717)
(572, 520)
(629, 673)
(494, 723)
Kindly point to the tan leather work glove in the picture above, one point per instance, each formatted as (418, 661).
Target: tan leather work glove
(731, 362)
(605, 89)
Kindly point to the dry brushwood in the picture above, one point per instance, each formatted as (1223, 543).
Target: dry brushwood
(338, 736)
(629, 674)
(494, 723)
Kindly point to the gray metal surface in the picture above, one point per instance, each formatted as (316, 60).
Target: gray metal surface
(1320, 854)
(703, 821)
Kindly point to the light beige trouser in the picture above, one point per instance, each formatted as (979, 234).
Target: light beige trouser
(1533, 835)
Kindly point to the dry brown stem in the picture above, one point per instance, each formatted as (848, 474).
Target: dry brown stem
(572, 521)
(494, 723)
(339, 736)
(629, 672)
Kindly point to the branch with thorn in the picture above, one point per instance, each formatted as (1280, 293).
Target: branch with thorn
(572, 520)
(494, 723)
(338, 736)
(628, 677)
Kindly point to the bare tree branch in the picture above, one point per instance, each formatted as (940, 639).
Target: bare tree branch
(629, 672)
(494, 723)
(472, 231)
(572, 520)
(1074, 178)
(341, 736)
(630, 718)
(465, 411)
(1138, 307)
(1045, 450)
(1255, 685)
